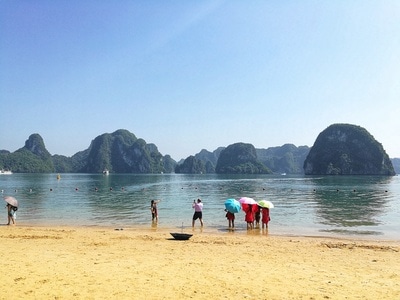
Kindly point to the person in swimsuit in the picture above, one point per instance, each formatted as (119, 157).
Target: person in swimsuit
(154, 211)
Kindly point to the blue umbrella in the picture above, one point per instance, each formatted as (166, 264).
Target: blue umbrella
(232, 206)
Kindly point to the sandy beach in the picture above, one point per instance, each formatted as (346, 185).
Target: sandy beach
(141, 263)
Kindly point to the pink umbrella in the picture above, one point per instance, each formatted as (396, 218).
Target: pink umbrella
(11, 200)
(246, 201)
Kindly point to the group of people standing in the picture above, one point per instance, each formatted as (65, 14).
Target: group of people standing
(253, 214)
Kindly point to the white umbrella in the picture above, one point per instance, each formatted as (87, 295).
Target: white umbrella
(11, 200)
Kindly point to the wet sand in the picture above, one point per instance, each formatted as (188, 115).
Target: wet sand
(137, 263)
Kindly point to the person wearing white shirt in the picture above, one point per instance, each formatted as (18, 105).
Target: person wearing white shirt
(198, 211)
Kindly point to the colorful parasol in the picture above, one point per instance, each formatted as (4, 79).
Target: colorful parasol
(246, 202)
(265, 204)
(232, 205)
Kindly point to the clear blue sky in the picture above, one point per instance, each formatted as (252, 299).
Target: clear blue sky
(192, 75)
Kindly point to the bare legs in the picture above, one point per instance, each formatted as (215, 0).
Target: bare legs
(10, 219)
(201, 222)
(250, 225)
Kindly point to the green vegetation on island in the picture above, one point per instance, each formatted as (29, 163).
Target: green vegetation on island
(341, 149)
(240, 158)
(32, 158)
(345, 149)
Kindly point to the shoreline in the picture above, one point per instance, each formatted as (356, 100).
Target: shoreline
(64, 262)
(151, 227)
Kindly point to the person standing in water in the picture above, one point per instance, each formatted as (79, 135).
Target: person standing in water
(257, 216)
(231, 219)
(265, 217)
(198, 211)
(154, 210)
(249, 217)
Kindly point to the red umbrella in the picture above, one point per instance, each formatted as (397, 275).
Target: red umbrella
(11, 200)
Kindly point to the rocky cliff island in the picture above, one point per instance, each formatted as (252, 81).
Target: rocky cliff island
(345, 149)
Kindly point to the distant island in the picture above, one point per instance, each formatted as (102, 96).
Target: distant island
(122, 152)
(345, 149)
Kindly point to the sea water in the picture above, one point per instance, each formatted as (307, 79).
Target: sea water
(363, 206)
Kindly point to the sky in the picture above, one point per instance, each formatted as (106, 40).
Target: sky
(192, 75)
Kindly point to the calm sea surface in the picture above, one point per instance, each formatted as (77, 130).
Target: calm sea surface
(362, 206)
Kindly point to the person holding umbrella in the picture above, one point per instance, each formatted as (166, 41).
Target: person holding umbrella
(249, 217)
(11, 213)
(232, 206)
(265, 217)
(12, 206)
(265, 206)
(231, 219)
(249, 206)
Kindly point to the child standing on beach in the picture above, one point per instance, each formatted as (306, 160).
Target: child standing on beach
(231, 219)
(154, 211)
(265, 217)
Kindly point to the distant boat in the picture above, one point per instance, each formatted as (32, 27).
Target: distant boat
(283, 174)
(5, 172)
(106, 172)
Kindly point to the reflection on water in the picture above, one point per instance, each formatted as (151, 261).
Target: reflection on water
(353, 203)
(350, 205)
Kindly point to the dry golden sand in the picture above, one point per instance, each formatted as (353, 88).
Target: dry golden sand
(103, 263)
